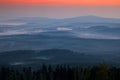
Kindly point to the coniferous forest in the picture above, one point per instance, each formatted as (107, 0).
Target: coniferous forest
(61, 72)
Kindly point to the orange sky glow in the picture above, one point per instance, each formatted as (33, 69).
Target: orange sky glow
(63, 2)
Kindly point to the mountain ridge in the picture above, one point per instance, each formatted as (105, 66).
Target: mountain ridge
(81, 19)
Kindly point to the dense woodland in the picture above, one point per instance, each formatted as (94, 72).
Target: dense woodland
(61, 72)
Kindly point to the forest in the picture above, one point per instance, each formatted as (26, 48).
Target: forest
(61, 72)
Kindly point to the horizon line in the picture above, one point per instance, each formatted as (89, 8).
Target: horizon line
(3, 17)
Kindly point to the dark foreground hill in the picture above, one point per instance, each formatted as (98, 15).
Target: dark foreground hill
(34, 58)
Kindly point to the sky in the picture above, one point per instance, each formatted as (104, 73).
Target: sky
(59, 8)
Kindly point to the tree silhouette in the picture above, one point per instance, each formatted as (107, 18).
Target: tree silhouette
(61, 72)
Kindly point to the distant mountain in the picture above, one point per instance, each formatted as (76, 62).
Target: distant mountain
(82, 27)
(82, 19)
(99, 27)
(92, 19)
(102, 28)
(32, 20)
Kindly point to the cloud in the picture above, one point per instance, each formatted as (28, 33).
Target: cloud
(12, 23)
(13, 32)
(62, 2)
(96, 36)
(20, 63)
(63, 29)
(19, 32)
(42, 58)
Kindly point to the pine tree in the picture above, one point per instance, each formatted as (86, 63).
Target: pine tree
(87, 74)
(102, 72)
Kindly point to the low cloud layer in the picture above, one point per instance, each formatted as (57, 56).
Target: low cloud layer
(96, 36)
(63, 29)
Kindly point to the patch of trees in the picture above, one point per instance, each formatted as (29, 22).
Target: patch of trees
(61, 72)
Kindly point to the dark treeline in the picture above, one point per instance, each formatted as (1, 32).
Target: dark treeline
(60, 72)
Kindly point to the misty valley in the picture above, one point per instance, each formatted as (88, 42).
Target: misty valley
(80, 48)
(86, 40)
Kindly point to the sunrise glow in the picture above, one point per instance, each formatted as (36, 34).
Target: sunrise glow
(63, 2)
